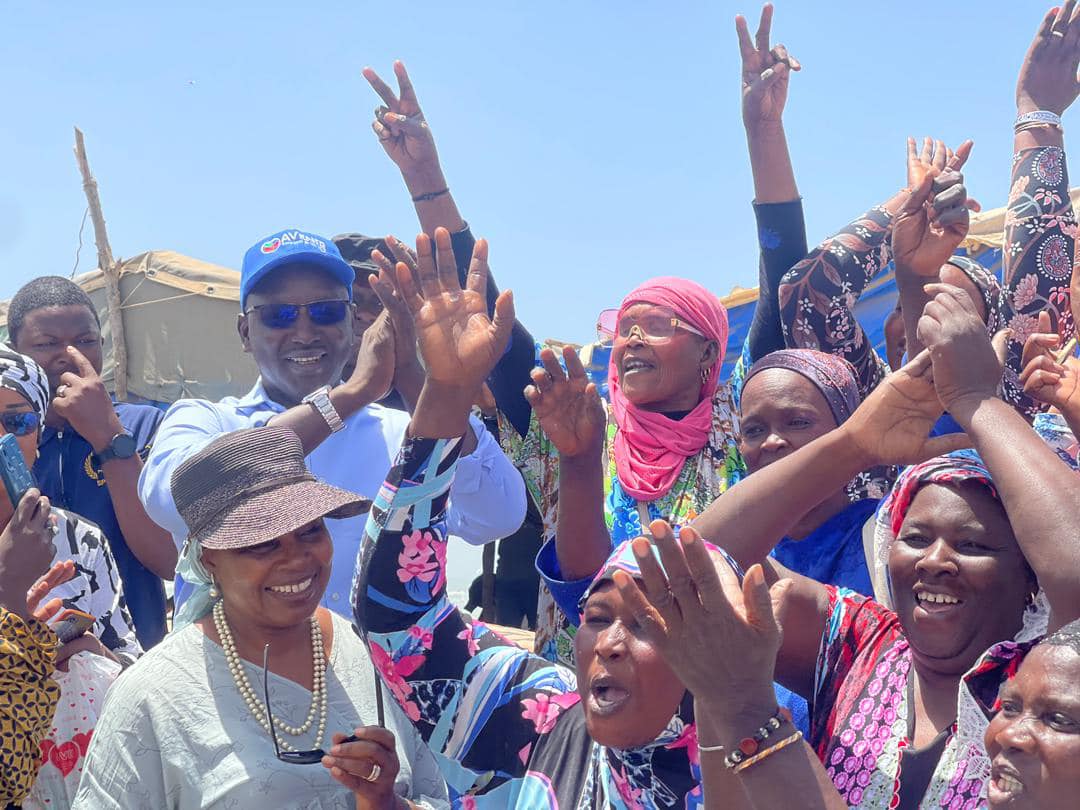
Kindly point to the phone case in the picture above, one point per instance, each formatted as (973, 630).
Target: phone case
(13, 470)
(71, 624)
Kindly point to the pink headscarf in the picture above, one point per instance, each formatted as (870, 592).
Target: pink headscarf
(650, 448)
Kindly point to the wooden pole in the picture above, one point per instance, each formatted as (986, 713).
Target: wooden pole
(108, 266)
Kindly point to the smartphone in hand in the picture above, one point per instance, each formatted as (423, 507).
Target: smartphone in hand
(13, 470)
(70, 624)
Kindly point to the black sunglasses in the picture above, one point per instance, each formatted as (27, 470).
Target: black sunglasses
(315, 755)
(22, 423)
(282, 316)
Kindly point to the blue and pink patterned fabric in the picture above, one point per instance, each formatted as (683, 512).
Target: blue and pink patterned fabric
(506, 726)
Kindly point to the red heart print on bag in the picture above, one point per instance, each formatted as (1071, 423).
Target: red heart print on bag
(64, 757)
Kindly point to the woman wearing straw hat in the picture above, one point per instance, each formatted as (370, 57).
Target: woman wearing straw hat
(234, 707)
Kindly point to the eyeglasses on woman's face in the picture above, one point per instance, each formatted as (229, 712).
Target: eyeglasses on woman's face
(655, 325)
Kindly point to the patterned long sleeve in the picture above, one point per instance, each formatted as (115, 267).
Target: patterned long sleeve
(818, 295)
(1038, 255)
(480, 703)
(28, 696)
(97, 588)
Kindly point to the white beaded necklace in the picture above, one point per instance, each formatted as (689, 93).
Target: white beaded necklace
(251, 698)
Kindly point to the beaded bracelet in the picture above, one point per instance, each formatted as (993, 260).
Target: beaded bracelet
(748, 746)
(1037, 118)
(768, 752)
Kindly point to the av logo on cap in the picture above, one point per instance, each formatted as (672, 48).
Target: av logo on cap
(271, 245)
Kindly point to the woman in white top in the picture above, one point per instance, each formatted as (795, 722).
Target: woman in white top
(187, 726)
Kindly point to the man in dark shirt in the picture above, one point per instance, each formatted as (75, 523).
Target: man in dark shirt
(92, 448)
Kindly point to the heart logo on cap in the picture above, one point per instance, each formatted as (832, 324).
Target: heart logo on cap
(271, 245)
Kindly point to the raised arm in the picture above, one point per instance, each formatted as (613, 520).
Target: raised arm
(405, 135)
(1040, 497)
(818, 295)
(890, 427)
(418, 639)
(777, 208)
(572, 416)
(1040, 223)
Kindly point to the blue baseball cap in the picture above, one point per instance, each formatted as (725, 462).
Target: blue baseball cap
(292, 247)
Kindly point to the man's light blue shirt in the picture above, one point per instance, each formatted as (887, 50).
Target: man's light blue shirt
(487, 500)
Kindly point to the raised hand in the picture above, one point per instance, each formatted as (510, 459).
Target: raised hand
(567, 405)
(765, 72)
(61, 572)
(892, 425)
(459, 343)
(966, 366)
(699, 607)
(936, 155)
(26, 550)
(373, 374)
(400, 124)
(926, 233)
(1048, 77)
(1044, 378)
(404, 331)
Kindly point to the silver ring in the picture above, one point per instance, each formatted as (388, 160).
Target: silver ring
(1057, 34)
(61, 389)
(376, 772)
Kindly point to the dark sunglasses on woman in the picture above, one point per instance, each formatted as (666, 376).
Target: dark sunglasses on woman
(315, 755)
(282, 316)
(22, 423)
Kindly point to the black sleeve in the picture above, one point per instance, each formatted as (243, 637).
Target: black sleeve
(511, 374)
(782, 242)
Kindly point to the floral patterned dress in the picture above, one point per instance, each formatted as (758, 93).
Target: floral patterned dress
(506, 727)
(703, 479)
(818, 296)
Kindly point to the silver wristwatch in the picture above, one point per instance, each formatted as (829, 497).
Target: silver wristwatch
(320, 400)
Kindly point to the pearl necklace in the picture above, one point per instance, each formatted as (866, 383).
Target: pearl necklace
(251, 698)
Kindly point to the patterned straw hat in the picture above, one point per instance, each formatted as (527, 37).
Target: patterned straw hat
(252, 486)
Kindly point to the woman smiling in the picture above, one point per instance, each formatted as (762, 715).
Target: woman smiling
(199, 723)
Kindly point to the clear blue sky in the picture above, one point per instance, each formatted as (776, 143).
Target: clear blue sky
(594, 144)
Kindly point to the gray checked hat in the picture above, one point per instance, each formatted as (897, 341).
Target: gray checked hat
(252, 486)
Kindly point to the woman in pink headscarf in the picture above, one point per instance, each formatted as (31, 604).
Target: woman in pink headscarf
(665, 437)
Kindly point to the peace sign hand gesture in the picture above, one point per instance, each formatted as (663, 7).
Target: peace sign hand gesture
(400, 124)
(459, 343)
(765, 72)
(694, 606)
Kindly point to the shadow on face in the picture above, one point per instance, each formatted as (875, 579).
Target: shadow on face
(277, 584)
(47, 333)
(303, 356)
(781, 412)
(1034, 740)
(959, 580)
(627, 689)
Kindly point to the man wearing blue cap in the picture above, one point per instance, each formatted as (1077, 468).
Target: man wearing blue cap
(297, 322)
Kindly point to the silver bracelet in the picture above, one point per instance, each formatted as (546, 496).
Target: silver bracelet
(1038, 117)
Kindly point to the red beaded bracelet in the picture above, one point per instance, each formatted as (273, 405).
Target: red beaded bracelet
(748, 746)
